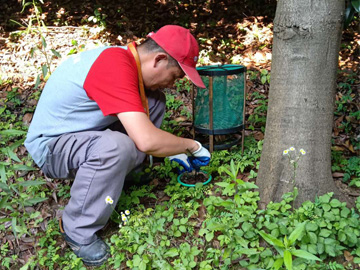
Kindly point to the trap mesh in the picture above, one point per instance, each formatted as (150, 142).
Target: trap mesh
(228, 97)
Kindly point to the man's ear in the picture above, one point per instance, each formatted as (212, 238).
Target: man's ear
(160, 58)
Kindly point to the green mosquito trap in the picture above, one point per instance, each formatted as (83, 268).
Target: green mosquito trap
(220, 108)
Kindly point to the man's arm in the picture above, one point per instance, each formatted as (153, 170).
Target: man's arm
(152, 140)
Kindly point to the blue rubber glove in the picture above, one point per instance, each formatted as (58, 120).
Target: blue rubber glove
(183, 160)
(200, 157)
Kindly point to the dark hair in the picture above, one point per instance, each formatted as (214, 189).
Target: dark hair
(151, 46)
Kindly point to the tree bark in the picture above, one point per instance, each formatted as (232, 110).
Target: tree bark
(307, 35)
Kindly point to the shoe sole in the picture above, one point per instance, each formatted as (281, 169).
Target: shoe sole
(97, 262)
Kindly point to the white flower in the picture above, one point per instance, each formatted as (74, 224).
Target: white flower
(120, 225)
(124, 218)
(286, 152)
(127, 212)
(109, 200)
(292, 148)
(303, 152)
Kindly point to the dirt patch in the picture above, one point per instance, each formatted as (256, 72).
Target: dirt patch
(194, 177)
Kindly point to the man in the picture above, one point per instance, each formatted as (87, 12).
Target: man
(90, 124)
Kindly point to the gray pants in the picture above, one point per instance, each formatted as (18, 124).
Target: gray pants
(99, 161)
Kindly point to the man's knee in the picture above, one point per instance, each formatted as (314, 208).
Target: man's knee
(115, 145)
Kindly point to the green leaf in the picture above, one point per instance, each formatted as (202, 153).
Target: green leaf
(271, 239)
(264, 72)
(203, 231)
(209, 236)
(356, 5)
(335, 203)
(33, 201)
(142, 265)
(313, 237)
(247, 251)
(182, 228)
(12, 155)
(32, 183)
(296, 192)
(263, 79)
(296, 233)
(216, 226)
(20, 167)
(74, 42)
(330, 249)
(345, 212)
(278, 263)
(13, 225)
(312, 248)
(246, 226)
(5, 187)
(16, 144)
(311, 227)
(3, 173)
(12, 132)
(44, 69)
(288, 260)
(226, 253)
(304, 254)
(224, 169)
(326, 207)
(324, 233)
(320, 248)
(326, 197)
(341, 236)
(56, 53)
(349, 15)
(3, 201)
(192, 264)
(222, 184)
(171, 253)
(329, 216)
(136, 260)
(43, 42)
(32, 51)
(37, 82)
(3, 220)
(233, 169)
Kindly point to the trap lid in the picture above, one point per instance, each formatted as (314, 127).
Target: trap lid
(220, 70)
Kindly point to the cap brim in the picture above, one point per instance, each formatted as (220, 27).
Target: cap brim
(193, 75)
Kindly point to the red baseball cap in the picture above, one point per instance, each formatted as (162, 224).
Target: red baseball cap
(180, 44)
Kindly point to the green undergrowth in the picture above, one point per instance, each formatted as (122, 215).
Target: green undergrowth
(217, 226)
(220, 226)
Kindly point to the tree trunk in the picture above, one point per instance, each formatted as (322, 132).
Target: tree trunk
(307, 35)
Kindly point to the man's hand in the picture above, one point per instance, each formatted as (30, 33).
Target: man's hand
(183, 160)
(200, 157)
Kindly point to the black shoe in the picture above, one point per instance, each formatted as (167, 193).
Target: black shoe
(93, 254)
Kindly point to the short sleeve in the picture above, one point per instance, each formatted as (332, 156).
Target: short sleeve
(112, 82)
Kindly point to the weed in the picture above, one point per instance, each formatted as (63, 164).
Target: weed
(98, 17)
(37, 25)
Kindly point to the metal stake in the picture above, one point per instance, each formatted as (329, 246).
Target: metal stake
(211, 123)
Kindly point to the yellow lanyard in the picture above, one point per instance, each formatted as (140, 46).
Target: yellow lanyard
(144, 100)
